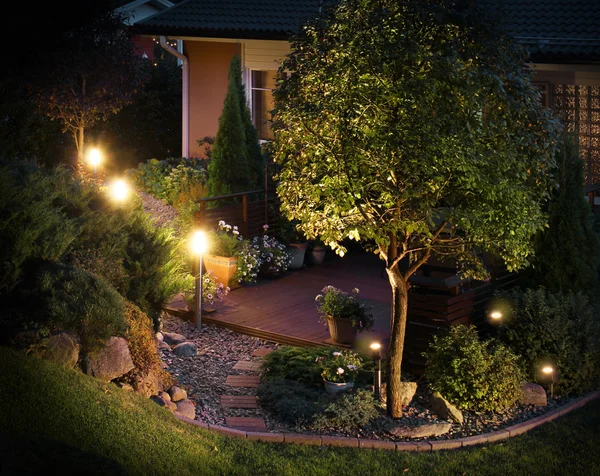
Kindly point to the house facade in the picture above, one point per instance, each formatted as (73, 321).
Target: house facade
(562, 36)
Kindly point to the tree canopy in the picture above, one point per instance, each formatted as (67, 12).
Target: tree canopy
(416, 126)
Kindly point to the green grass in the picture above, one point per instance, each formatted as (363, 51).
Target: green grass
(53, 420)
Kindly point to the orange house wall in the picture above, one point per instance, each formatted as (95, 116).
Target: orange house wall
(209, 65)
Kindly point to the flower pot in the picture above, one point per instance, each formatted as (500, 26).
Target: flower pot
(223, 268)
(317, 255)
(297, 251)
(333, 388)
(341, 330)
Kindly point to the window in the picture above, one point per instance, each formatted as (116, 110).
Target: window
(262, 84)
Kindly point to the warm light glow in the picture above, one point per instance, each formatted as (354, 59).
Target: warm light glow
(120, 190)
(199, 242)
(95, 157)
(547, 370)
(496, 315)
(375, 346)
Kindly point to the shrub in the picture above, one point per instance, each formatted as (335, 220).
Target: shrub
(340, 366)
(473, 374)
(557, 328)
(349, 412)
(295, 363)
(142, 346)
(272, 255)
(290, 401)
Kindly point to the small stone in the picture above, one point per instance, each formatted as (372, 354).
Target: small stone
(172, 338)
(164, 403)
(444, 409)
(125, 386)
(159, 337)
(421, 431)
(186, 408)
(164, 345)
(533, 394)
(177, 394)
(185, 349)
(164, 395)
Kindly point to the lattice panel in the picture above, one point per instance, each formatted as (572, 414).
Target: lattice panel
(579, 109)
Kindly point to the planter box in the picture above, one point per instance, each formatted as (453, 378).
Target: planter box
(341, 330)
(223, 268)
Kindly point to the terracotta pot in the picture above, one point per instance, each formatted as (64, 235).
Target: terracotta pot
(317, 255)
(341, 330)
(334, 388)
(297, 251)
(223, 268)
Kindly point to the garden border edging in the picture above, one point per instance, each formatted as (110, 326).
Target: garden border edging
(426, 445)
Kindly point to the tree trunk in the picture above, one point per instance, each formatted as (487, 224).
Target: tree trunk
(396, 349)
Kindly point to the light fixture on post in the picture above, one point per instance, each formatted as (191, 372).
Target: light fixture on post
(549, 370)
(95, 157)
(199, 248)
(119, 190)
(376, 353)
(496, 315)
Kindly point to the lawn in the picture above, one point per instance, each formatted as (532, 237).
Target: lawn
(53, 419)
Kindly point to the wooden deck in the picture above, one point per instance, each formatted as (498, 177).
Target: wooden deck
(283, 310)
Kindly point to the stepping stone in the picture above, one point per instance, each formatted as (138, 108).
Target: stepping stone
(238, 401)
(252, 381)
(248, 365)
(246, 423)
(261, 352)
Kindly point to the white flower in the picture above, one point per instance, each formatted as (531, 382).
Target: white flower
(355, 290)
(352, 367)
(340, 371)
(337, 354)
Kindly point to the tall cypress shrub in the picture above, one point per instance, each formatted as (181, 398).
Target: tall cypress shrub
(568, 251)
(228, 168)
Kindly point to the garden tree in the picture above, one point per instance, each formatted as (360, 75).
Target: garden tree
(228, 169)
(568, 251)
(412, 125)
(94, 73)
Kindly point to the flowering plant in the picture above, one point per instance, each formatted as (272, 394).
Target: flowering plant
(340, 366)
(336, 303)
(272, 254)
(212, 290)
(227, 241)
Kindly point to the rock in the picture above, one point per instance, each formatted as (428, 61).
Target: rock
(185, 349)
(186, 408)
(62, 349)
(533, 394)
(165, 396)
(125, 386)
(164, 345)
(421, 431)
(407, 392)
(110, 362)
(159, 337)
(444, 409)
(148, 384)
(177, 393)
(172, 338)
(164, 403)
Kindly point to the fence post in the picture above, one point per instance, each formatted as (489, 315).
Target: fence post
(245, 215)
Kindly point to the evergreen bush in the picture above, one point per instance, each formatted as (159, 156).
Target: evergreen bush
(349, 412)
(291, 401)
(296, 363)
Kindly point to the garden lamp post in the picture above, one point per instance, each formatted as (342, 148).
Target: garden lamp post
(549, 370)
(95, 157)
(496, 315)
(376, 352)
(119, 190)
(199, 248)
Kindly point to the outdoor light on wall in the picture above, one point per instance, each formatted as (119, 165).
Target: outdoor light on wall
(376, 353)
(119, 190)
(549, 371)
(199, 246)
(94, 158)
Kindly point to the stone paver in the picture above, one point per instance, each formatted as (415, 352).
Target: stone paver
(250, 381)
(246, 423)
(239, 401)
(261, 352)
(248, 365)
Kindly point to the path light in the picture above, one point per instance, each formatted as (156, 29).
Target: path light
(496, 315)
(549, 370)
(94, 158)
(199, 245)
(376, 353)
(119, 190)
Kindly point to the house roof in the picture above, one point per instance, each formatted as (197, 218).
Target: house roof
(245, 19)
(552, 30)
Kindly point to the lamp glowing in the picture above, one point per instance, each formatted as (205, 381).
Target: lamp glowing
(547, 370)
(375, 346)
(496, 315)
(94, 158)
(199, 243)
(120, 190)
(376, 350)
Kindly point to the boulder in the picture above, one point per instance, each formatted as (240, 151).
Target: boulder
(421, 431)
(173, 338)
(177, 393)
(407, 392)
(62, 349)
(533, 394)
(148, 384)
(186, 408)
(185, 349)
(444, 409)
(110, 362)
(164, 403)
(124, 386)
(164, 395)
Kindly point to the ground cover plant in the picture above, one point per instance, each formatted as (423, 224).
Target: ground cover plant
(77, 424)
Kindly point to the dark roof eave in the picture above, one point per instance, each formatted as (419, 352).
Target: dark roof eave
(213, 33)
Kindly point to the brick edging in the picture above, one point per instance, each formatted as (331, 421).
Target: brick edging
(426, 445)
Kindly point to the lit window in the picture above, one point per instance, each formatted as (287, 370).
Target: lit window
(261, 87)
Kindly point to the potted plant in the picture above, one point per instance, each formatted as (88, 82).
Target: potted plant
(317, 252)
(273, 258)
(340, 369)
(344, 314)
(212, 291)
(232, 260)
(295, 241)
